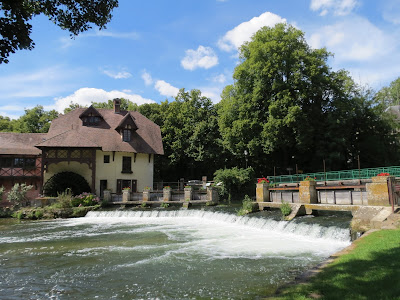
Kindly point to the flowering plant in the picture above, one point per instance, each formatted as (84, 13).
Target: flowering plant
(384, 174)
(263, 180)
(147, 188)
(187, 186)
(308, 178)
(126, 188)
(167, 187)
(85, 199)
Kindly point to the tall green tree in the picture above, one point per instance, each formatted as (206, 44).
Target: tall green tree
(287, 107)
(75, 16)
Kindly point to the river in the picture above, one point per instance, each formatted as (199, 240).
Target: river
(161, 254)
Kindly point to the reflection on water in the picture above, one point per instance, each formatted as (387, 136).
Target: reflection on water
(159, 254)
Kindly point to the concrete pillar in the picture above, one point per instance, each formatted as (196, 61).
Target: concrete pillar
(262, 192)
(107, 195)
(377, 191)
(126, 195)
(308, 192)
(167, 194)
(146, 195)
(212, 194)
(188, 193)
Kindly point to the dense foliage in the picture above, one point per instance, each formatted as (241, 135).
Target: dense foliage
(236, 182)
(74, 16)
(285, 109)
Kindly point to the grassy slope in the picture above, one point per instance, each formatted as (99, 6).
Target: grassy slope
(370, 271)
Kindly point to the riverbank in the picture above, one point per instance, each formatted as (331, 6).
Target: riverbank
(368, 269)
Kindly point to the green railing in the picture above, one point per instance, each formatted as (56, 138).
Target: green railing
(337, 175)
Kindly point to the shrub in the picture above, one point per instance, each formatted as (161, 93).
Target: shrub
(39, 213)
(17, 194)
(247, 206)
(286, 209)
(235, 181)
(85, 199)
(164, 205)
(59, 182)
(1, 192)
(64, 199)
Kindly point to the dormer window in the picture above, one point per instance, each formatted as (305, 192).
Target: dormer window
(127, 133)
(127, 127)
(91, 117)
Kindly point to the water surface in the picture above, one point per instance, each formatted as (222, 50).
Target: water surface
(174, 254)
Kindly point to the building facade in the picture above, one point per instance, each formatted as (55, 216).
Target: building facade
(110, 149)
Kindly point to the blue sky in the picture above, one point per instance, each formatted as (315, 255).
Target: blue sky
(152, 48)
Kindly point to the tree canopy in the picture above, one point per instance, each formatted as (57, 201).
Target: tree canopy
(75, 16)
(288, 107)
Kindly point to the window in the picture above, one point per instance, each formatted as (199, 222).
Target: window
(126, 164)
(91, 119)
(30, 163)
(6, 162)
(126, 135)
(106, 159)
(18, 162)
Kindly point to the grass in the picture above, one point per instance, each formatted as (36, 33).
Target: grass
(370, 271)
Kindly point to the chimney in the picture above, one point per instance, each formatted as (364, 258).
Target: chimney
(117, 105)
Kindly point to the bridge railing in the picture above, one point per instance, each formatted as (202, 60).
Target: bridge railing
(337, 175)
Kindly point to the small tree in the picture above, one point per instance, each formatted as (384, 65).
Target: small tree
(235, 181)
(17, 194)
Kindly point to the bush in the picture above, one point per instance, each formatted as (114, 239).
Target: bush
(247, 206)
(286, 209)
(64, 199)
(17, 194)
(62, 181)
(85, 199)
(236, 182)
(164, 205)
(39, 214)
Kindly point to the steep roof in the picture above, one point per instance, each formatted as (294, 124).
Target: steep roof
(20, 143)
(68, 131)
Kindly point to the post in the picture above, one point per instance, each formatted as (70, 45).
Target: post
(107, 195)
(378, 191)
(167, 194)
(262, 192)
(188, 193)
(212, 194)
(126, 193)
(146, 195)
(308, 192)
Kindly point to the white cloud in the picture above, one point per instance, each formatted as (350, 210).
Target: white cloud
(147, 78)
(165, 89)
(391, 11)
(234, 38)
(221, 78)
(354, 39)
(118, 35)
(85, 96)
(214, 93)
(338, 7)
(117, 75)
(11, 116)
(203, 57)
(37, 83)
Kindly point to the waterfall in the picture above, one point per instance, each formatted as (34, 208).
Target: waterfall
(315, 231)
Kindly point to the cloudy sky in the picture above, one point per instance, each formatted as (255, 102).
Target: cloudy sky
(153, 48)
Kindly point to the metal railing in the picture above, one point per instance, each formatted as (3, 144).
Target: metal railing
(337, 175)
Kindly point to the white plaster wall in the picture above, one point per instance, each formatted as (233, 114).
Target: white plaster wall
(142, 170)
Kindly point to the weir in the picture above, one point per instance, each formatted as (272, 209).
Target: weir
(259, 223)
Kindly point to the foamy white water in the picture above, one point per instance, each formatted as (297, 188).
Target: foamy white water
(160, 255)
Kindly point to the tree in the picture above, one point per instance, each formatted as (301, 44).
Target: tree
(125, 105)
(35, 120)
(76, 16)
(390, 95)
(287, 107)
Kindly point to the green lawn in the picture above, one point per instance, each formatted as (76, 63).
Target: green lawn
(370, 271)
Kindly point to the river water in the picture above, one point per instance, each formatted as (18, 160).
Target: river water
(165, 254)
